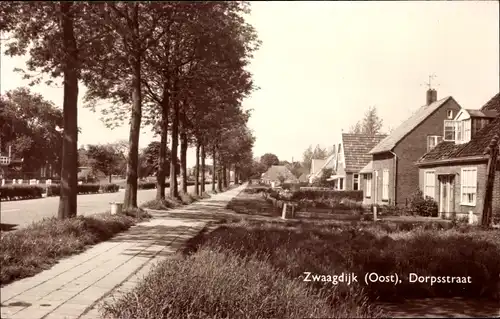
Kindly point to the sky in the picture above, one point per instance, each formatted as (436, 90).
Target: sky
(321, 65)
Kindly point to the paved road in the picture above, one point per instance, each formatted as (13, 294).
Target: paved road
(24, 212)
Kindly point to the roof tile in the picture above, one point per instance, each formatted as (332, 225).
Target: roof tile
(357, 148)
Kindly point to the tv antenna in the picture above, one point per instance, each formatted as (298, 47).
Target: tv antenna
(429, 84)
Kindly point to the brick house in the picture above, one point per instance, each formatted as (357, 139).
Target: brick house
(454, 172)
(395, 176)
(349, 157)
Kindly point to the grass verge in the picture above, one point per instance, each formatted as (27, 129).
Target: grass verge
(28, 251)
(253, 267)
(220, 284)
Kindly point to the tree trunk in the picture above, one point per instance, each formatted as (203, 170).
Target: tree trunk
(110, 178)
(214, 156)
(174, 192)
(203, 182)
(197, 171)
(219, 176)
(162, 162)
(224, 175)
(236, 177)
(69, 168)
(219, 180)
(184, 147)
(130, 200)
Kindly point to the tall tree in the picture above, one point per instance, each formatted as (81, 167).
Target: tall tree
(105, 158)
(371, 124)
(269, 160)
(30, 125)
(61, 41)
(309, 154)
(136, 27)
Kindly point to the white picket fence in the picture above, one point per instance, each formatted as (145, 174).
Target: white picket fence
(3, 182)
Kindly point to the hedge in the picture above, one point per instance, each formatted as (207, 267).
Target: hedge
(327, 194)
(11, 192)
(55, 190)
(152, 185)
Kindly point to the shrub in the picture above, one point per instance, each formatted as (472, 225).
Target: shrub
(55, 190)
(422, 206)
(257, 189)
(163, 204)
(293, 186)
(214, 283)
(11, 192)
(148, 185)
(109, 188)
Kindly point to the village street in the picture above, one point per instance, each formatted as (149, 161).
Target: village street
(24, 212)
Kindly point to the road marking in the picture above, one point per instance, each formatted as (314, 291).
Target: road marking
(8, 210)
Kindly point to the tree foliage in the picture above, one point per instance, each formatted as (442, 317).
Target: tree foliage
(269, 160)
(150, 158)
(371, 124)
(30, 124)
(179, 68)
(309, 154)
(105, 158)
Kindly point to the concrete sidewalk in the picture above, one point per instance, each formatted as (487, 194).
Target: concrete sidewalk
(75, 286)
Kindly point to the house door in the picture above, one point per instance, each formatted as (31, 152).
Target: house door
(446, 195)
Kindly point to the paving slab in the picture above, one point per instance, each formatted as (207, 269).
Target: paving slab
(76, 286)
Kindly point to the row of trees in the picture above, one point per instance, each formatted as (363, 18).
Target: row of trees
(179, 67)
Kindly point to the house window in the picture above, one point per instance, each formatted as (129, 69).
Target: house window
(355, 184)
(430, 184)
(469, 186)
(449, 130)
(460, 131)
(449, 114)
(433, 141)
(341, 183)
(453, 130)
(467, 129)
(368, 188)
(385, 184)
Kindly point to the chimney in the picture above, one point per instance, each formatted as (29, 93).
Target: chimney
(431, 96)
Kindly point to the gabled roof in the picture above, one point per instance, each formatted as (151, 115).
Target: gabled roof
(408, 126)
(357, 148)
(493, 104)
(276, 170)
(475, 147)
(329, 163)
(316, 165)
